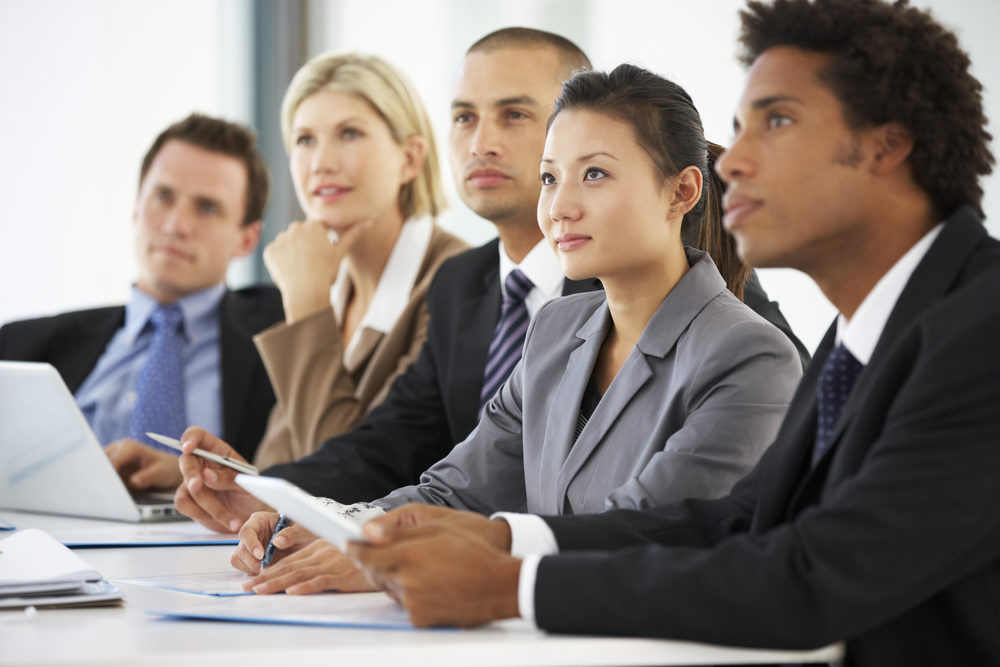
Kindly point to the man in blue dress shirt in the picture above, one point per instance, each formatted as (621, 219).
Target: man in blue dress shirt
(202, 189)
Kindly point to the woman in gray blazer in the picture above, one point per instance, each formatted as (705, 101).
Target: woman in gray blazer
(665, 386)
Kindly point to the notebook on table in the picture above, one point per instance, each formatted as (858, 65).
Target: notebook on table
(50, 460)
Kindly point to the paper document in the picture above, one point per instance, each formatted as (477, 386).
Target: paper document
(142, 535)
(218, 584)
(36, 570)
(347, 610)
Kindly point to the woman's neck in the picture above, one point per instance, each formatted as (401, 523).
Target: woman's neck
(633, 298)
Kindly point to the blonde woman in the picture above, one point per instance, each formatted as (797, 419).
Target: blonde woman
(365, 170)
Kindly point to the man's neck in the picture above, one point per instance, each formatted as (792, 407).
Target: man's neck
(518, 238)
(892, 232)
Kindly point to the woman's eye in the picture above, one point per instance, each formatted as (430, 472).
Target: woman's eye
(303, 140)
(350, 133)
(593, 173)
(547, 178)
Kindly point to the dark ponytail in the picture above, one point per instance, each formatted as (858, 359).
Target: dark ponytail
(712, 237)
(668, 127)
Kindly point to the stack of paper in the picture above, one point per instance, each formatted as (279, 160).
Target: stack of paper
(36, 570)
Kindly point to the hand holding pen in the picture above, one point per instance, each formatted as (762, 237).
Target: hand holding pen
(209, 493)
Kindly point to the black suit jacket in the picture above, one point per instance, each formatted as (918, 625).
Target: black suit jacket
(434, 404)
(73, 342)
(891, 542)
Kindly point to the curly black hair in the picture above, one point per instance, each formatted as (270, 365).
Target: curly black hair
(891, 63)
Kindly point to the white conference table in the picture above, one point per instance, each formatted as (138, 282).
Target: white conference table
(126, 635)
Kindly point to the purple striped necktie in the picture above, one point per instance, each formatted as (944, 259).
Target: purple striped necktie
(508, 337)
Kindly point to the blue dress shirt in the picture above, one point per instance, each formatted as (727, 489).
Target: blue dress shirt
(107, 395)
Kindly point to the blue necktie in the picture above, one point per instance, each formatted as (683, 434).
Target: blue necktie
(159, 405)
(836, 380)
(508, 337)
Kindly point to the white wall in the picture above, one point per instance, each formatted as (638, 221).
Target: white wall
(87, 84)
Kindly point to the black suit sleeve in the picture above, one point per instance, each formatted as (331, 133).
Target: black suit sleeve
(913, 516)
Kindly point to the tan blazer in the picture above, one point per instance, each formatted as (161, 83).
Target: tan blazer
(320, 392)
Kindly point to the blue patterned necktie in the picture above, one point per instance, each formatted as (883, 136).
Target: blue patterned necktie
(508, 337)
(836, 380)
(159, 405)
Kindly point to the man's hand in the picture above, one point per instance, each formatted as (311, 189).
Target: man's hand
(415, 515)
(255, 536)
(209, 493)
(445, 572)
(142, 467)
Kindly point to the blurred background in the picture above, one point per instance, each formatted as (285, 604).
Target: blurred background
(87, 85)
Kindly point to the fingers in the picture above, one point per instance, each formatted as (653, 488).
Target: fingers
(187, 506)
(294, 535)
(256, 532)
(403, 521)
(318, 567)
(209, 502)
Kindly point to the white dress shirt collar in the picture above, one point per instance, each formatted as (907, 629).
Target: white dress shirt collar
(860, 334)
(394, 286)
(542, 269)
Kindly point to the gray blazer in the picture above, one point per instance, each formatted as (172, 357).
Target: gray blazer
(692, 409)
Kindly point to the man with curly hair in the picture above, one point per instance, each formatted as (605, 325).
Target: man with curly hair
(873, 518)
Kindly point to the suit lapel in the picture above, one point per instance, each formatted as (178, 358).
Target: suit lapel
(357, 356)
(559, 433)
(698, 287)
(87, 346)
(929, 283)
(236, 360)
(477, 317)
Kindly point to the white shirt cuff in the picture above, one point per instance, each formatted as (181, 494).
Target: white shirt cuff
(529, 534)
(526, 587)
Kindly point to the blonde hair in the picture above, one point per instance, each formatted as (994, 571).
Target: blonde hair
(392, 96)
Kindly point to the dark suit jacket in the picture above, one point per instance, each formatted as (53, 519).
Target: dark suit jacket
(891, 542)
(73, 342)
(434, 404)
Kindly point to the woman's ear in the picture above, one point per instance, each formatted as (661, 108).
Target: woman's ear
(414, 154)
(686, 190)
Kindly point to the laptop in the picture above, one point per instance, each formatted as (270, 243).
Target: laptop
(50, 460)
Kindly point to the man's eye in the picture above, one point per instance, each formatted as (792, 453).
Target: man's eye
(776, 120)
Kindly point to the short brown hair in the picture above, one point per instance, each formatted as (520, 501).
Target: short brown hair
(572, 56)
(220, 136)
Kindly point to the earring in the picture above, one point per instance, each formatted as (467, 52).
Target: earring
(673, 210)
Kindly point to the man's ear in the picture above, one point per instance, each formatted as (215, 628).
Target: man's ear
(249, 236)
(893, 146)
(414, 153)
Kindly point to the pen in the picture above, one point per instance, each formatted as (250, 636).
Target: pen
(238, 466)
(269, 551)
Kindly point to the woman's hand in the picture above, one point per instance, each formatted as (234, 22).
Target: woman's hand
(303, 262)
(255, 536)
(317, 567)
